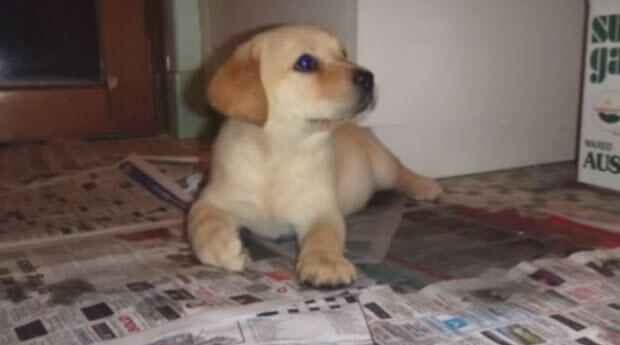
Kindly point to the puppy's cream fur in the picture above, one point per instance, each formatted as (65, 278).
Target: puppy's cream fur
(288, 160)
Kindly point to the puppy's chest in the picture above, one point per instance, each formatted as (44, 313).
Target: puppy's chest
(273, 185)
(285, 171)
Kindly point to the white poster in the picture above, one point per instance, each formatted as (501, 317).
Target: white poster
(599, 154)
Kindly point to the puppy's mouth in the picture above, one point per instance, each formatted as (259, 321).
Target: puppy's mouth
(366, 102)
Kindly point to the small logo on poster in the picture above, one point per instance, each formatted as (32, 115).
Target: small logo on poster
(606, 111)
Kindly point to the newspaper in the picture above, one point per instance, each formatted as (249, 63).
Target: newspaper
(332, 320)
(132, 288)
(110, 280)
(550, 301)
(129, 195)
(147, 288)
(369, 232)
(185, 171)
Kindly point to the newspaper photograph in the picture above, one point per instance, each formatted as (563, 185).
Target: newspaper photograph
(128, 195)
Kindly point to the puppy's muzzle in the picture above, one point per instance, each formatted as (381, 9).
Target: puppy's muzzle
(365, 83)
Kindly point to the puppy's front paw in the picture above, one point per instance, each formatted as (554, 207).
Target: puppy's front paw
(218, 245)
(325, 269)
(425, 189)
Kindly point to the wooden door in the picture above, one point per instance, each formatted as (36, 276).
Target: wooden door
(75, 67)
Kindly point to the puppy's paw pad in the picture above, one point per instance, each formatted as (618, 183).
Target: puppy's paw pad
(325, 270)
(425, 189)
(220, 247)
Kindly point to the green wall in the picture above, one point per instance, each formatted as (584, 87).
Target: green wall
(189, 117)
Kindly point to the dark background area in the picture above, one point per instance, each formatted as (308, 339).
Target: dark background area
(49, 41)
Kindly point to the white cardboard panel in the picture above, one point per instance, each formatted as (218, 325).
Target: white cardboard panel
(471, 86)
(599, 154)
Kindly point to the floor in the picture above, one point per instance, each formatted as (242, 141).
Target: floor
(484, 224)
(24, 163)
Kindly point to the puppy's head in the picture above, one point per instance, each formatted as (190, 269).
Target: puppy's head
(292, 73)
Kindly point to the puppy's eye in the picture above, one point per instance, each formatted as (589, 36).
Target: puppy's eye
(306, 63)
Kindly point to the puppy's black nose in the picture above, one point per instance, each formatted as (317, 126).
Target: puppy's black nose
(363, 79)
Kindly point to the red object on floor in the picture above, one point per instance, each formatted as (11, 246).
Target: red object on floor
(511, 219)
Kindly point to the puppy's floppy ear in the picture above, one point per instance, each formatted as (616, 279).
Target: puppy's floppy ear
(236, 89)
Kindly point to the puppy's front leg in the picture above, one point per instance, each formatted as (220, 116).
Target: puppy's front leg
(321, 261)
(214, 240)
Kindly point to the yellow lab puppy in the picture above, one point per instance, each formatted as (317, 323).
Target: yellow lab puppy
(289, 159)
